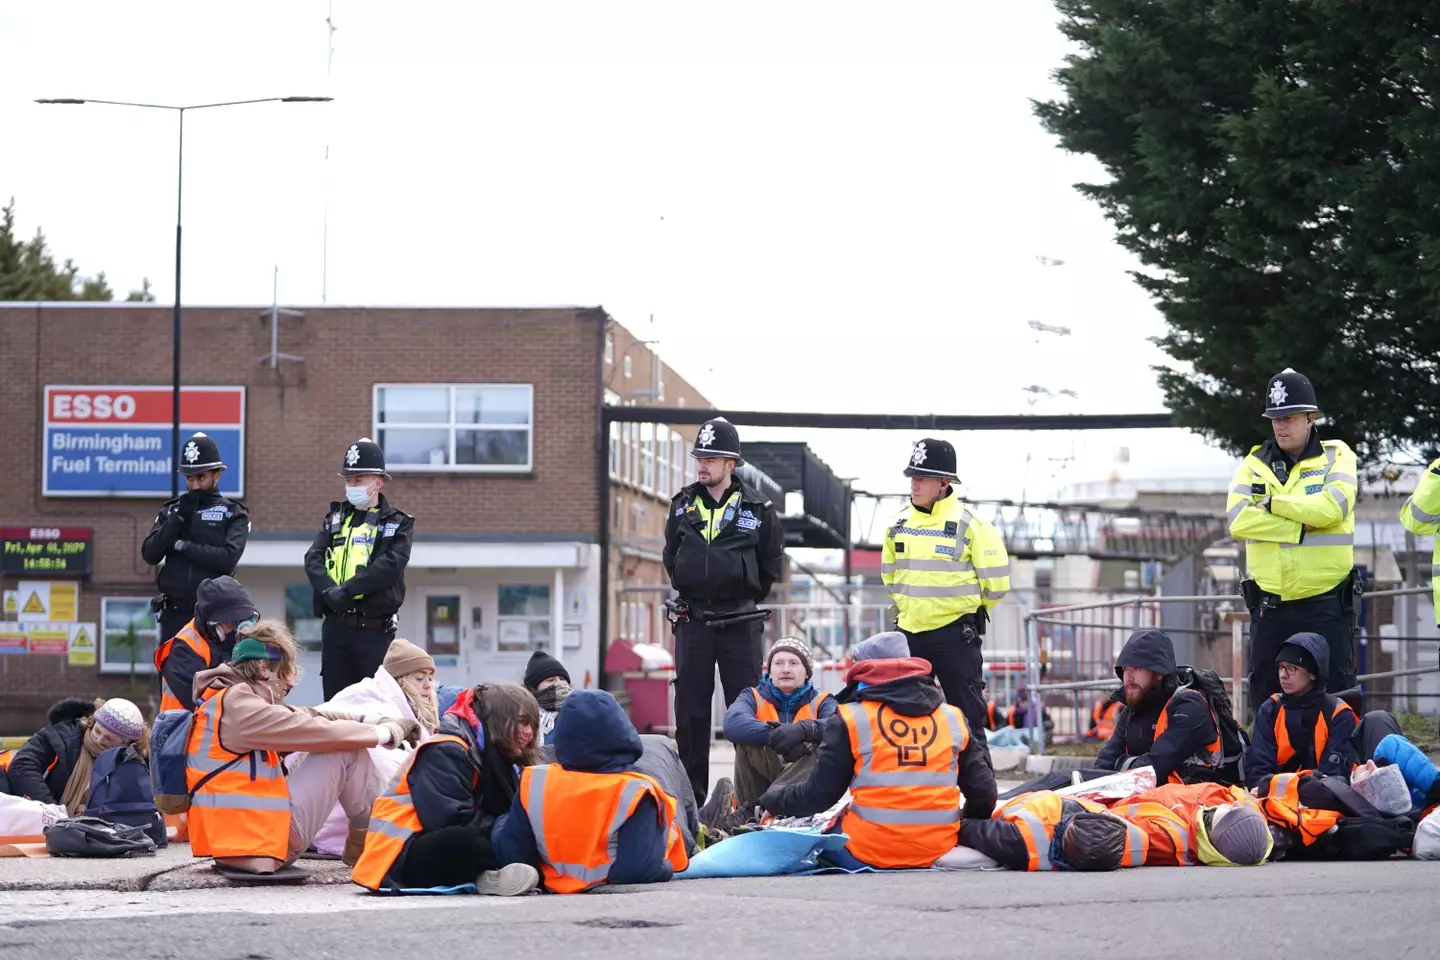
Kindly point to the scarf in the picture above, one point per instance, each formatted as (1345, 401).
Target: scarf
(77, 788)
(786, 704)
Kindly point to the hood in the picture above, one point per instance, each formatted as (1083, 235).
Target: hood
(222, 600)
(1317, 647)
(71, 708)
(1147, 650)
(592, 734)
(872, 672)
(902, 685)
(221, 676)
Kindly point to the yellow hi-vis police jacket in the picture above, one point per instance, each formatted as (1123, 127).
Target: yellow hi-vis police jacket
(1421, 516)
(1304, 544)
(942, 564)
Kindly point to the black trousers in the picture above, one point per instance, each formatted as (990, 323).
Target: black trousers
(698, 650)
(349, 654)
(960, 668)
(1269, 631)
(449, 856)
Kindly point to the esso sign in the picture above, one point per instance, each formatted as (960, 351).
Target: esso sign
(92, 406)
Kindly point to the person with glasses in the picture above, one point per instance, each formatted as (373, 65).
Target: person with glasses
(224, 613)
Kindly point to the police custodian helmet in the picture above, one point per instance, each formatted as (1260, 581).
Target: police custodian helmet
(199, 455)
(364, 457)
(932, 458)
(1289, 392)
(717, 438)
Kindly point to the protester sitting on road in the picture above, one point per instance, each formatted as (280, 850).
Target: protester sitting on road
(432, 826)
(55, 764)
(905, 755)
(994, 716)
(549, 681)
(660, 760)
(776, 728)
(1045, 831)
(224, 613)
(1103, 718)
(1199, 824)
(589, 818)
(245, 811)
(71, 708)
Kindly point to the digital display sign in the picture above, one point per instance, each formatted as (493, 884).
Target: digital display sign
(53, 551)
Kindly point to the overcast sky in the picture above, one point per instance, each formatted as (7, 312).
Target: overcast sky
(826, 206)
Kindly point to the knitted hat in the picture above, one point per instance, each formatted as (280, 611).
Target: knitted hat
(800, 648)
(1298, 655)
(404, 658)
(252, 649)
(542, 667)
(122, 718)
(884, 646)
(1240, 835)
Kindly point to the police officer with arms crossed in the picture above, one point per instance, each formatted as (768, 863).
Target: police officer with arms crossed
(946, 569)
(724, 547)
(1292, 501)
(197, 536)
(357, 568)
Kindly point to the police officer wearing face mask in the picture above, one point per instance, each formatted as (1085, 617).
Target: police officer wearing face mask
(198, 535)
(356, 566)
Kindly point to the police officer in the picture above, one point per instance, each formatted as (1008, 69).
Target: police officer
(1292, 502)
(724, 547)
(357, 568)
(946, 569)
(198, 535)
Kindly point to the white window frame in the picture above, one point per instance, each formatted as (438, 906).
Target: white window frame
(678, 456)
(609, 348)
(662, 459)
(627, 366)
(647, 457)
(536, 618)
(378, 428)
(143, 665)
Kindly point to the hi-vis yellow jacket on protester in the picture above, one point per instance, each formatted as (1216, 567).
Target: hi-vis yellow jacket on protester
(942, 564)
(1421, 516)
(1304, 544)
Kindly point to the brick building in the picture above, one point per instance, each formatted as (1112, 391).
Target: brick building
(490, 421)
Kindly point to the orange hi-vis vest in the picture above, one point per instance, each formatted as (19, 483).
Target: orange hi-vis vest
(1168, 814)
(1280, 802)
(992, 715)
(576, 819)
(766, 713)
(1105, 716)
(191, 637)
(5, 757)
(904, 796)
(1284, 752)
(240, 806)
(393, 821)
(1213, 754)
(1038, 814)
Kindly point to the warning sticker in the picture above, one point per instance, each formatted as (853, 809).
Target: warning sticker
(82, 645)
(34, 604)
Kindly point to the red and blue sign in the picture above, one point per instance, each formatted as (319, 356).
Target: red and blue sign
(115, 441)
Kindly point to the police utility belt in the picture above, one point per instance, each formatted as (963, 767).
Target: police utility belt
(680, 611)
(160, 604)
(1348, 591)
(356, 619)
(972, 626)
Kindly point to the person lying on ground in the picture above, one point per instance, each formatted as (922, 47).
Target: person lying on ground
(549, 681)
(1045, 831)
(433, 825)
(776, 728)
(224, 613)
(245, 811)
(589, 818)
(54, 765)
(70, 708)
(905, 755)
(1201, 823)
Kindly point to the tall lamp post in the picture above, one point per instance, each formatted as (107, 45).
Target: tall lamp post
(179, 206)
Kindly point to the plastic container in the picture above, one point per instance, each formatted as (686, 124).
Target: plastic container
(1383, 787)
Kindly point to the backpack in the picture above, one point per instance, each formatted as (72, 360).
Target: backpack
(1363, 832)
(169, 748)
(121, 792)
(1233, 739)
(93, 837)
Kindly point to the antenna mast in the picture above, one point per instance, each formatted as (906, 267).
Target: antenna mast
(325, 228)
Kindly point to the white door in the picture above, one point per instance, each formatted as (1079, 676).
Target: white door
(446, 634)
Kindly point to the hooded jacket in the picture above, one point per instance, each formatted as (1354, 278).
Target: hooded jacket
(42, 767)
(253, 719)
(1302, 718)
(593, 735)
(904, 686)
(1189, 731)
(1001, 839)
(217, 600)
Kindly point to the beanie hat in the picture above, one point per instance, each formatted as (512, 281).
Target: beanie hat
(1298, 655)
(404, 658)
(542, 667)
(122, 718)
(884, 646)
(1094, 841)
(800, 648)
(252, 649)
(1240, 835)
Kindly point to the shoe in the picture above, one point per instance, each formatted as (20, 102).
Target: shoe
(354, 846)
(740, 821)
(510, 881)
(720, 805)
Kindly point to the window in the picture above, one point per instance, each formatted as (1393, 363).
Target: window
(609, 348)
(617, 514)
(128, 635)
(647, 456)
(456, 428)
(614, 451)
(678, 456)
(627, 366)
(625, 471)
(662, 460)
(524, 621)
(680, 402)
(300, 615)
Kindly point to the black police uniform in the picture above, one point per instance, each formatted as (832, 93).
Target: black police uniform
(728, 573)
(356, 633)
(197, 536)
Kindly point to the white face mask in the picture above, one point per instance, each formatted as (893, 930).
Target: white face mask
(358, 496)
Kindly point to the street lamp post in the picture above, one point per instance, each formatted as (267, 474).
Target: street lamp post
(179, 206)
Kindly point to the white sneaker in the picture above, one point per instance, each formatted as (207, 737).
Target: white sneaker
(511, 881)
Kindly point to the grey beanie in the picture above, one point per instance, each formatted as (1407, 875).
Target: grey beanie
(1241, 836)
(883, 646)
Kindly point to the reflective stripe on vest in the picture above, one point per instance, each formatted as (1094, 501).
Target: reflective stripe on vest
(1156, 818)
(351, 546)
(1105, 719)
(1212, 754)
(766, 712)
(1284, 750)
(579, 839)
(1037, 835)
(393, 821)
(243, 810)
(1280, 802)
(928, 569)
(1136, 843)
(905, 803)
(713, 522)
(192, 638)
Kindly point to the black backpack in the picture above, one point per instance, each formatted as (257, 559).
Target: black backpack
(121, 792)
(1233, 739)
(93, 837)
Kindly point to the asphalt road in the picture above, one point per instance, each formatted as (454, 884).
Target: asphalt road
(1359, 909)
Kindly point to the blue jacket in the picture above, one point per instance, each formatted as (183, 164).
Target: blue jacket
(1302, 718)
(741, 725)
(1420, 774)
(593, 735)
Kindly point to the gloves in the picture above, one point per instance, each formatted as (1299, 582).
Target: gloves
(335, 598)
(402, 731)
(788, 740)
(814, 730)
